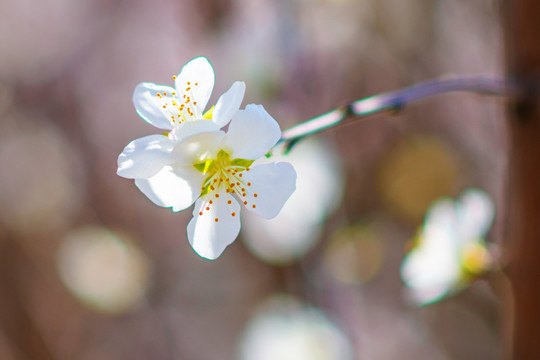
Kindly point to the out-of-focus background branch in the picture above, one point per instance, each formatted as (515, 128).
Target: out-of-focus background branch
(91, 269)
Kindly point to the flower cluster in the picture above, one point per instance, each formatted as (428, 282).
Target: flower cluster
(207, 158)
(450, 250)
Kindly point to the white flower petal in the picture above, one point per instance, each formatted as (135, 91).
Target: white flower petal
(198, 148)
(176, 188)
(200, 76)
(144, 157)
(218, 226)
(190, 128)
(475, 211)
(252, 132)
(150, 107)
(228, 104)
(431, 270)
(268, 186)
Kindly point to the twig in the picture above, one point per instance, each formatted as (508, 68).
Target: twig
(395, 101)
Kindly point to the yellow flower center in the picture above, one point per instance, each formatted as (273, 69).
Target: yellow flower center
(475, 259)
(224, 172)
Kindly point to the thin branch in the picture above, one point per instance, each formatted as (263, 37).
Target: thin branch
(395, 101)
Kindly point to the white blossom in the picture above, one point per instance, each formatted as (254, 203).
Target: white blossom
(213, 169)
(450, 249)
(179, 111)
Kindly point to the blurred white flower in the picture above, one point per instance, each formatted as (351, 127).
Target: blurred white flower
(212, 169)
(450, 250)
(178, 110)
(103, 269)
(284, 329)
(297, 227)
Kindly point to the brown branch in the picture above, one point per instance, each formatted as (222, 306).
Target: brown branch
(396, 100)
(522, 23)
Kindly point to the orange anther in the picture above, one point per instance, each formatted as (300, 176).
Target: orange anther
(228, 202)
(233, 214)
(216, 219)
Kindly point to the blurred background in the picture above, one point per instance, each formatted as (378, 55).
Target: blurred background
(91, 269)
